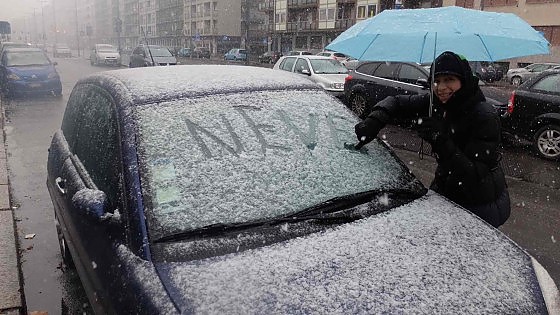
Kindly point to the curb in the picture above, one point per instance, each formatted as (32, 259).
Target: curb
(11, 288)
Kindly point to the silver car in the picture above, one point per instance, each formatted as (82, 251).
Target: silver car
(326, 72)
(517, 76)
(104, 54)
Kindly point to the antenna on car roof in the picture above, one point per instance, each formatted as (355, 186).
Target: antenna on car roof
(149, 50)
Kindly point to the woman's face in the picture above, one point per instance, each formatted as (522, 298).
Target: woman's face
(445, 85)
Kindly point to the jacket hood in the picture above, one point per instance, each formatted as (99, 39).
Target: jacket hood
(429, 256)
(450, 63)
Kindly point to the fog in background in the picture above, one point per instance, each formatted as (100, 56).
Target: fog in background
(13, 9)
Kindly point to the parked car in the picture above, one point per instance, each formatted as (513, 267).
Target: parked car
(333, 54)
(184, 52)
(236, 54)
(516, 76)
(487, 71)
(534, 113)
(270, 57)
(326, 72)
(61, 50)
(298, 53)
(104, 54)
(5, 45)
(155, 56)
(201, 52)
(28, 71)
(175, 191)
(369, 82)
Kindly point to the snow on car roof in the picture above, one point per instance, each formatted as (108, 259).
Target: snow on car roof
(170, 82)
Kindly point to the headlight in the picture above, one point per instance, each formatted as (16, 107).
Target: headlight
(13, 76)
(338, 86)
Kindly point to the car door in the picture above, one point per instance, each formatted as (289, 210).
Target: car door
(91, 163)
(302, 66)
(408, 80)
(541, 99)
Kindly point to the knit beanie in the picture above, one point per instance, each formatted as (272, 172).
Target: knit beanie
(450, 63)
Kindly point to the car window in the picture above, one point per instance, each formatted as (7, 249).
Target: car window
(539, 68)
(26, 58)
(301, 64)
(324, 54)
(339, 55)
(160, 51)
(287, 64)
(387, 70)
(306, 53)
(327, 66)
(411, 74)
(255, 155)
(549, 83)
(138, 51)
(73, 114)
(368, 68)
(96, 144)
(242, 51)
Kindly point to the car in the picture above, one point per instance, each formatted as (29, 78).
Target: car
(174, 191)
(298, 53)
(105, 54)
(516, 76)
(61, 50)
(25, 71)
(236, 54)
(4, 45)
(184, 52)
(326, 72)
(369, 82)
(201, 52)
(270, 57)
(154, 56)
(372, 81)
(534, 113)
(333, 54)
(487, 71)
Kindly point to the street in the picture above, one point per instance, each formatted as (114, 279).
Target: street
(31, 122)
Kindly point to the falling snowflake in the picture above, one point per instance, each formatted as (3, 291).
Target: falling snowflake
(383, 199)
(285, 227)
(553, 239)
(94, 265)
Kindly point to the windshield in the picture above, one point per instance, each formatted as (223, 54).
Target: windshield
(106, 48)
(252, 156)
(26, 58)
(327, 66)
(160, 52)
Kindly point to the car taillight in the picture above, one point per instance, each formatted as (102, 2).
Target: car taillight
(510, 103)
(348, 78)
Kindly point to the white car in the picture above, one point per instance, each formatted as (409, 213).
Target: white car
(334, 55)
(104, 54)
(517, 76)
(327, 72)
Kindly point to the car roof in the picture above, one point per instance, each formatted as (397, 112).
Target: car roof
(310, 57)
(151, 84)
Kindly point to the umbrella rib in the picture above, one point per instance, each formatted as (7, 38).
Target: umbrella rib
(422, 50)
(486, 48)
(371, 43)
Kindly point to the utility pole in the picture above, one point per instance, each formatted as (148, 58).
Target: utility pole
(77, 26)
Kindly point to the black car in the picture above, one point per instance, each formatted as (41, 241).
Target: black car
(154, 56)
(201, 52)
(487, 71)
(372, 81)
(270, 57)
(534, 113)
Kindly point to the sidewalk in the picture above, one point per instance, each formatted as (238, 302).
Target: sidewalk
(11, 288)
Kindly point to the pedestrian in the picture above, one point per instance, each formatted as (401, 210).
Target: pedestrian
(464, 132)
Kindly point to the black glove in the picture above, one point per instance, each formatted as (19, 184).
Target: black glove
(433, 131)
(368, 129)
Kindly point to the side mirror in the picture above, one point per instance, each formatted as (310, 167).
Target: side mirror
(93, 203)
(423, 83)
(55, 63)
(306, 72)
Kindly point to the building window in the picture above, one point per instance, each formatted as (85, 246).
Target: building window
(361, 12)
(372, 8)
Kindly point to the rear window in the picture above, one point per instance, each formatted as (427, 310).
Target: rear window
(255, 155)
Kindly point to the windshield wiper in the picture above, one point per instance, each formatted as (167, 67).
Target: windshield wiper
(330, 211)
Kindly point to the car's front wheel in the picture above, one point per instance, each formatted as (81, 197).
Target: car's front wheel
(547, 142)
(358, 104)
(64, 251)
(516, 81)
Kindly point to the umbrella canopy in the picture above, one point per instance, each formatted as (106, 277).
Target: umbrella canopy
(418, 35)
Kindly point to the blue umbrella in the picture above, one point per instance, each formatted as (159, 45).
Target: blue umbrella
(418, 35)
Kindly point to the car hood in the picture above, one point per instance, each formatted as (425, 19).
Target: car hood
(108, 54)
(429, 256)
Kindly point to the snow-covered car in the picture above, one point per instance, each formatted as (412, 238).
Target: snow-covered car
(177, 190)
(104, 54)
(61, 50)
(327, 72)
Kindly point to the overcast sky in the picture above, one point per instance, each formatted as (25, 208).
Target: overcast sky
(13, 9)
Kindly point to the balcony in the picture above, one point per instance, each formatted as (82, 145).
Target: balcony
(301, 26)
(344, 24)
(302, 3)
(266, 5)
(346, 1)
(269, 28)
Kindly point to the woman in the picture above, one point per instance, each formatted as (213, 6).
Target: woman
(464, 132)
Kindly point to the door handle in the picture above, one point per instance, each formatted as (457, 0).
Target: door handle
(61, 185)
